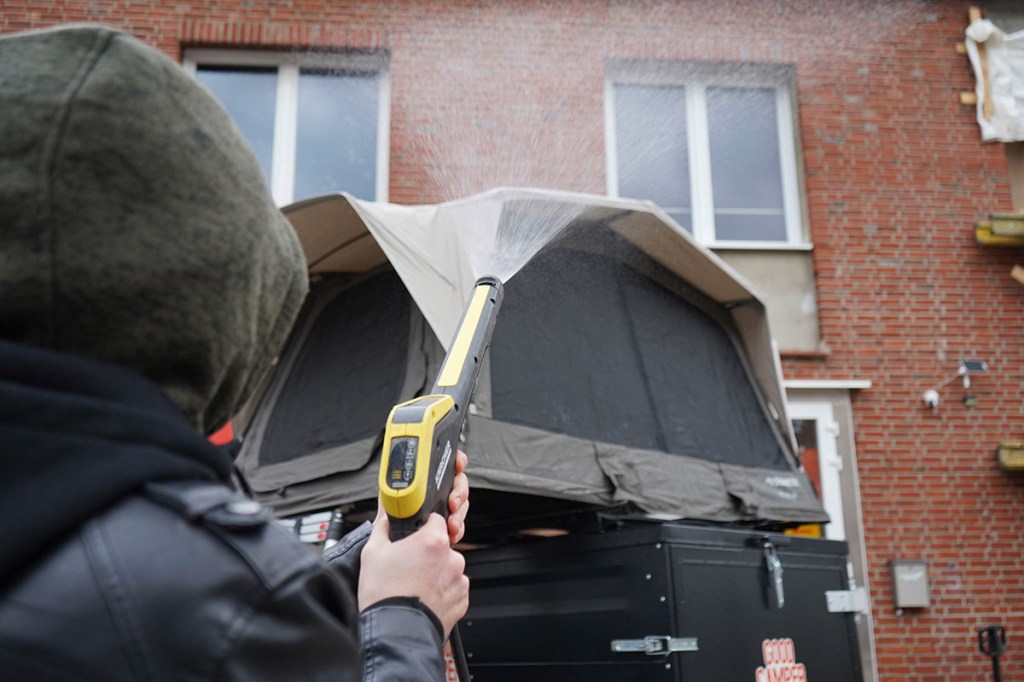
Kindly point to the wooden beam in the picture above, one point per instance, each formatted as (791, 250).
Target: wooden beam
(1015, 161)
(1017, 273)
(987, 106)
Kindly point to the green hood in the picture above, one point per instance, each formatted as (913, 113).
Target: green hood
(135, 223)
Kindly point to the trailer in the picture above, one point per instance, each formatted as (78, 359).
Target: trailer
(633, 468)
(662, 601)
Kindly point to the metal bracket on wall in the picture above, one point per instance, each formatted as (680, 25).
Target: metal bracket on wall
(848, 601)
(654, 645)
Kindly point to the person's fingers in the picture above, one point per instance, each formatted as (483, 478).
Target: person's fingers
(422, 565)
(457, 523)
(381, 533)
(435, 525)
(459, 494)
(459, 514)
(458, 507)
(461, 462)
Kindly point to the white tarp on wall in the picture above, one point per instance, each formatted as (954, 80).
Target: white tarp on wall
(998, 61)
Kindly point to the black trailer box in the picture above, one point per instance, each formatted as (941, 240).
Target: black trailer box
(661, 601)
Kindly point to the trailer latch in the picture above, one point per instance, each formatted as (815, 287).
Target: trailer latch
(654, 645)
(774, 566)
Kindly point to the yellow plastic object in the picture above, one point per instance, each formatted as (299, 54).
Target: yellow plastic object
(984, 235)
(456, 359)
(1010, 456)
(404, 476)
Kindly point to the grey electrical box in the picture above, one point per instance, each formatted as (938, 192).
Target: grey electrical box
(910, 583)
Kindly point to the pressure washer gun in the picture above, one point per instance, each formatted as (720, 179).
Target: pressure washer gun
(417, 468)
(418, 464)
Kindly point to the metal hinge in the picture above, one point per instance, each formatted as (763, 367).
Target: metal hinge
(847, 601)
(654, 645)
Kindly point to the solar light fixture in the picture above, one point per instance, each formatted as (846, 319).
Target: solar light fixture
(965, 369)
(969, 367)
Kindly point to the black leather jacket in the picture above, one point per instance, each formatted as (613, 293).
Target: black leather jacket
(181, 579)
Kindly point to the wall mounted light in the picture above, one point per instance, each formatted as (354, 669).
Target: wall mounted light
(969, 367)
(965, 369)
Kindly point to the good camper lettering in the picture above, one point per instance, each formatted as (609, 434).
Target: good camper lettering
(780, 662)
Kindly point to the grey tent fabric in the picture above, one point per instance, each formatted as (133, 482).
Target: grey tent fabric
(628, 364)
(676, 487)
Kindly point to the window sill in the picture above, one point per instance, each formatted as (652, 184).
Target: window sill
(799, 354)
(759, 246)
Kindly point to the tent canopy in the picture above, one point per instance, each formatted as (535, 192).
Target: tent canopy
(629, 364)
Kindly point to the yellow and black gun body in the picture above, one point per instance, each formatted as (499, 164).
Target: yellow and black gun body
(422, 435)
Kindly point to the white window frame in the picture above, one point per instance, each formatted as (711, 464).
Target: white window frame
(288, 64)
(830, 464)
(696, 78)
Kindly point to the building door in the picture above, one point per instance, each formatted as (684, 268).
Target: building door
(816, 430)
(824, 432)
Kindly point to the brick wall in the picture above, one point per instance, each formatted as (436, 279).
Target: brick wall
(497, 93)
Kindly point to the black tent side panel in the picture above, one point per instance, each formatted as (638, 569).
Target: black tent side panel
(590, 348)
(360, 347)
(348, 374)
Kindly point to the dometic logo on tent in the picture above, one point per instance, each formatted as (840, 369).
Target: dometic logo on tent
(784, 486)
(780, 662)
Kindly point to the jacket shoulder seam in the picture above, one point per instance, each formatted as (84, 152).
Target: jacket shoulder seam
(115, 597)
(235, 632)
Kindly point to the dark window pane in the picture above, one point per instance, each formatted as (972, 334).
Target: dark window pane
(741, 227)
(1008, 15)
(250, 96)
(807, 441)
(746, 170)
(651, 147)
(684, 218)
(336, 149)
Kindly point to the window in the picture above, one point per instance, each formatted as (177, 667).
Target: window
(1008, 15)
(317, 122)
(712, 145)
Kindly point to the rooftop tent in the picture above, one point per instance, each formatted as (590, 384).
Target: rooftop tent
(629, 365)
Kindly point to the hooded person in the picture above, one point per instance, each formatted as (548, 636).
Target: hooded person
(147, 281)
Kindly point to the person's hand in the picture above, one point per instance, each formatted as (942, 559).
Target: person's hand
(422, 565)
(458, 501)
